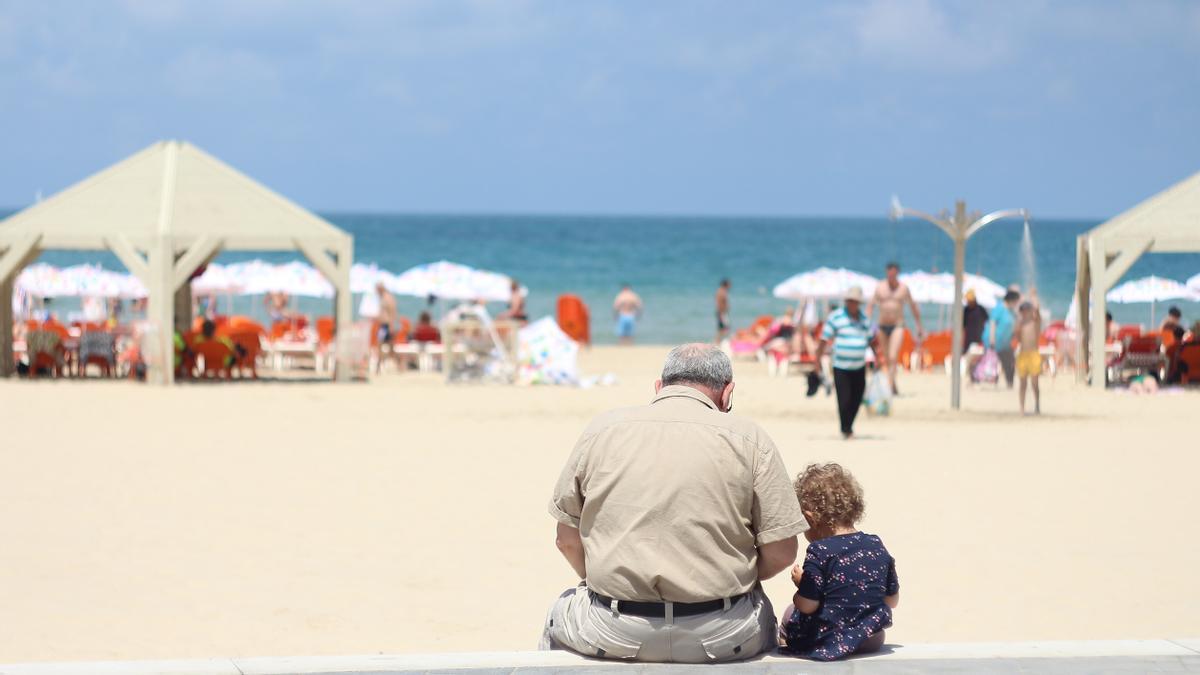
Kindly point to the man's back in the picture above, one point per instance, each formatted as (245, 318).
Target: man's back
(673, 499)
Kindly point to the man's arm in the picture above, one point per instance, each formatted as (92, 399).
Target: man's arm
(570, 544)
(776, 557)
(916, 312)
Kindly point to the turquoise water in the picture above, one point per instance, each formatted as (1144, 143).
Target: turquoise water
(675, 263)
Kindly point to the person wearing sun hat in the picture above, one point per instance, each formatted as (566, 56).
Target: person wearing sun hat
(849, 330)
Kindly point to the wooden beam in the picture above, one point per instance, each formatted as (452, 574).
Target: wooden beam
(1119, 264)
(17, 255)
(137, 265)
(200, 252)
(321, 260)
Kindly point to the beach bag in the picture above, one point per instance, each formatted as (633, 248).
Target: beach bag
(988, 367)
(879, 395)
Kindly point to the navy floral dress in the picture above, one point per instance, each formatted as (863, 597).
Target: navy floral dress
(849, 575)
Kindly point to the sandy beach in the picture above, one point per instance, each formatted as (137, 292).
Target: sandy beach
(405, 515)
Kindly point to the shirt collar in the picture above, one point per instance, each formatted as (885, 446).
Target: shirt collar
(683, 391)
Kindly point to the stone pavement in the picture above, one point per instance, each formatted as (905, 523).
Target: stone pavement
(1111, 656)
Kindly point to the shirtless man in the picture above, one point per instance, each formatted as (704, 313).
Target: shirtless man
(627, 307)
(276, 303)
(890, 297)
(722, 310)
(388, 316)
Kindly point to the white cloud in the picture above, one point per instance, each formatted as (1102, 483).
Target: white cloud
(919, 35)
(211, 73)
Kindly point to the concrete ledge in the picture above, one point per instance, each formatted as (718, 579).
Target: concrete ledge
(1071, 656)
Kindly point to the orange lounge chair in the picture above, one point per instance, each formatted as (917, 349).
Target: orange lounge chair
(217, 358)
(936, 349)
(1188, 362)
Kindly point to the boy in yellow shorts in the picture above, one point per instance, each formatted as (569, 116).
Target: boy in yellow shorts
(1029, 360)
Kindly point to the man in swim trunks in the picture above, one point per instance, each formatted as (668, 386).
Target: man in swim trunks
(722, 310)
(890, 297)
(627, 307)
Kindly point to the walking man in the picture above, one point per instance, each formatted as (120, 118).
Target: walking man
(671, 514)
(891, 295)
(722, 310)
(848, 330)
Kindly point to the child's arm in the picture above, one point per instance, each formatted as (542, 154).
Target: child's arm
(892, 600)
(802, 604)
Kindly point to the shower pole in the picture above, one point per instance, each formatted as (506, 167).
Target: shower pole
(959, 228)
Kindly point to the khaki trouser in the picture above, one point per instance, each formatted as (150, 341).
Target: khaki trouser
(581, 623)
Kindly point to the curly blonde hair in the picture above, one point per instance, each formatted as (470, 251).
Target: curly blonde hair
(830, 494)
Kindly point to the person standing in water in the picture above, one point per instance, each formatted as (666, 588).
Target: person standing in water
(722, 310)
(627, 308)
(891, 295)
(516, 305)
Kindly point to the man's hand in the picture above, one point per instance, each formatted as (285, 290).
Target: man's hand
(797, 575)
(570, 544)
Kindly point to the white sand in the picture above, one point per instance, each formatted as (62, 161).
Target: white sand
(409, 516)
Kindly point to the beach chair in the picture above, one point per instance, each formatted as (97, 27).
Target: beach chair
(935, 350)
(249, 349)
(1142, 354)
(325, 345)
(99, 348)
(1188, 362)
(214, 358)
(45, 351)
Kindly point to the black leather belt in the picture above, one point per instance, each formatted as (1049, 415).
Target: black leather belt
(659, 609)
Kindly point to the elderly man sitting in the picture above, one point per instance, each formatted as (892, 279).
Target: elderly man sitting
(672, 513)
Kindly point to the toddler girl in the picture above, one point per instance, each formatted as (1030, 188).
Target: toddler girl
(847, 587)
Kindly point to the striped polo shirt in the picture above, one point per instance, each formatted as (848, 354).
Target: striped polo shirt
(849, 337)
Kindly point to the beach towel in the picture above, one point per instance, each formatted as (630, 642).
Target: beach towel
(879, 395)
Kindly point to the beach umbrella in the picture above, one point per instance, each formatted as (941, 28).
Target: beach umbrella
(444, 279)
(938, 289)
(1149, 289)
(824, 282)
(1193, 286)
(364, 278)
(546, 355)
(46, 281)
(293, 278)
(216, 279)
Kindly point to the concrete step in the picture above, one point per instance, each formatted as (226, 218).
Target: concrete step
(1116, 656)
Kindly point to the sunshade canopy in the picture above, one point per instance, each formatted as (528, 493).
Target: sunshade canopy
(1168, 222)
(166, 211)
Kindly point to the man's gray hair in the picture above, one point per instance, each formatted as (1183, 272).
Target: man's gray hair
(698, 363)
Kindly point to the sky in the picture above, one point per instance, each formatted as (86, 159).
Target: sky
(1070, 109)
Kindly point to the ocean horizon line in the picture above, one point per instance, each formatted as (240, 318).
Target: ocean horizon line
(6, 211)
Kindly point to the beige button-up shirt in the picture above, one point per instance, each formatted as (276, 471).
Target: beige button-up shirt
(672, 500)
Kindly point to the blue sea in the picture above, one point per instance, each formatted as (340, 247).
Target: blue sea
(675, 262)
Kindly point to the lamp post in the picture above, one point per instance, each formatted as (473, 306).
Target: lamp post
(960, 227)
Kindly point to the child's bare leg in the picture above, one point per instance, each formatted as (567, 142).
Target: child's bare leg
(1037, 397)
(787, 614)
(1021, 392)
